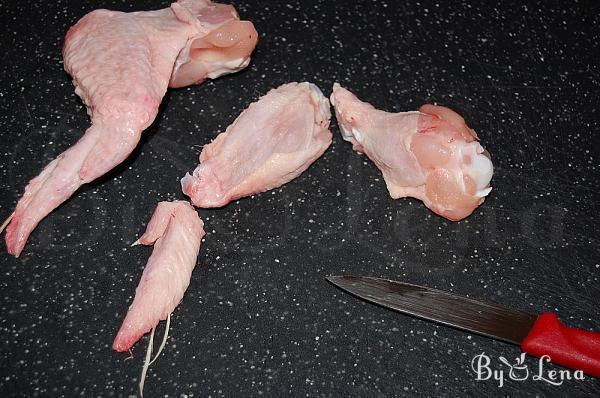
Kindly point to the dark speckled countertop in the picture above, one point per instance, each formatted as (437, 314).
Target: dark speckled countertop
(258, 317)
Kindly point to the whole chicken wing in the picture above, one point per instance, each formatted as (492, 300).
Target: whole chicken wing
(122, 64)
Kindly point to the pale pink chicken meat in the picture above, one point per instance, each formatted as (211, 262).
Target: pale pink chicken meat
(122, 64)
(176, 231)
(430, 154)
(223, 47)
(270, 143)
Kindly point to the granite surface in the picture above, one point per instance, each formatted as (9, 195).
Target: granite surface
(258, 318)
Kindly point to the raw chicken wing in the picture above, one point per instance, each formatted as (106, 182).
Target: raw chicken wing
(122, 64)
(176, 231)
(430, 155)
(269, 144)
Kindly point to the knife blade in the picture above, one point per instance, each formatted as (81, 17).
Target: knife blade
(537, 335)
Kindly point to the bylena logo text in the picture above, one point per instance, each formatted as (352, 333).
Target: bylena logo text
(519, 371)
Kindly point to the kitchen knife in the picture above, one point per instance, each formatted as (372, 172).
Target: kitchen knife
(537, 335)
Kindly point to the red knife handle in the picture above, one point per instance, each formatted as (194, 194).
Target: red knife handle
(573, 348)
